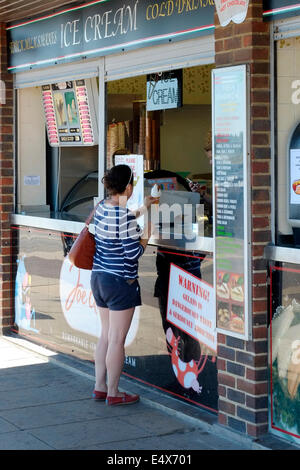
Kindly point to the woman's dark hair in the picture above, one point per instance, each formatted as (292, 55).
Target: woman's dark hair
(117, 178)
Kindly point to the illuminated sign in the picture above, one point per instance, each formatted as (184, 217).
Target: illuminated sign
(67, 113)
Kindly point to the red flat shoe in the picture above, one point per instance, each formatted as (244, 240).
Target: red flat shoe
(124, 400)
(101, 396)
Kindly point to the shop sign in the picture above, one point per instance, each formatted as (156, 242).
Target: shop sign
(231, 10)
(191, 306)
(231, 183)
(164, 90)
(102, 28)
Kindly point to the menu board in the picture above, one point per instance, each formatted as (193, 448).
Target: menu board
(67, 113)
(231, 185)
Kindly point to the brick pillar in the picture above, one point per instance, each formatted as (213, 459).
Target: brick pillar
(243, 365)
(6, 182)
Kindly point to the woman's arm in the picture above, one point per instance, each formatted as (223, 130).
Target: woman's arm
(144, 208)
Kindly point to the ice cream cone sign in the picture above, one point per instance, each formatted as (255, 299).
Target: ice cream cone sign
(228, 10)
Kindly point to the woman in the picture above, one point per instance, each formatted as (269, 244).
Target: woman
(119, 245)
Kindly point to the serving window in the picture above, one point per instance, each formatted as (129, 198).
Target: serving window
(166, 118)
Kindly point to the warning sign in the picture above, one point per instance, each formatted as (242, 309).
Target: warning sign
(191, 306)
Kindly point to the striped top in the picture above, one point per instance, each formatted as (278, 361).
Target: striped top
(117, 237)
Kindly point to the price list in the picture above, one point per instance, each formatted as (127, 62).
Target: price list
(230, 183)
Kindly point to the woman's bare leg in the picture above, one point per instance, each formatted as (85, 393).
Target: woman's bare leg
(101, 351)
(119, 324)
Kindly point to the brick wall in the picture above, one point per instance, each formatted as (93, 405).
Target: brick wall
(6, 184)
(242, 365)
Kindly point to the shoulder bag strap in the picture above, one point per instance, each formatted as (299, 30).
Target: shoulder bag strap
(88, 220)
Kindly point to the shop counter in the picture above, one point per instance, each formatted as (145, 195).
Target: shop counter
(284, 340)
(54, 305)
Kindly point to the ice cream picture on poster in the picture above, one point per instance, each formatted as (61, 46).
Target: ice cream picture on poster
(295, 176)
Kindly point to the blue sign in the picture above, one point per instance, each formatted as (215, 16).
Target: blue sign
(104, 27)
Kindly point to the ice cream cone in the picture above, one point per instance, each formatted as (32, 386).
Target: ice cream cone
(156, 193)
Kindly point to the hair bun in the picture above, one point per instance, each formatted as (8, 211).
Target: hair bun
(117, 179)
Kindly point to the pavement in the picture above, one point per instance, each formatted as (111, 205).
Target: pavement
(46, 404)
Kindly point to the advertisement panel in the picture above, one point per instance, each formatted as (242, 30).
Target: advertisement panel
(231, 199)
(284, 351)
(55, 307)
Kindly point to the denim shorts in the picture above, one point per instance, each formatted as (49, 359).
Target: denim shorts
(114, 292)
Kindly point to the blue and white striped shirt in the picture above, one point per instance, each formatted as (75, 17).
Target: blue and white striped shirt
(117, 237)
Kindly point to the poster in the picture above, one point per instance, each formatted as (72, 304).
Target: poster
(230, 175)
(136, 163)
(294, 176)
(191, 306)
(69, 114)
(284, 351)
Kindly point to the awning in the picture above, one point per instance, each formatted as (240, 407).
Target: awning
(14, 10)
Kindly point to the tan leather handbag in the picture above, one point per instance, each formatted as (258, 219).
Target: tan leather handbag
(82, 251)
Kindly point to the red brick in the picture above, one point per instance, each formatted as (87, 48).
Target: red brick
(261, 208)
(261, 331)
(221, 364)
(226, 379)
(257, 430)
(227, 407)
(260, 222)
(260, 167)
(222, 419)
(259, 306)
(252, 388)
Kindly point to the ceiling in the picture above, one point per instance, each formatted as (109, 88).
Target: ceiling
(14, 10)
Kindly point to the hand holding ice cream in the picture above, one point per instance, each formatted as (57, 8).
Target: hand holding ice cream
(156, 193)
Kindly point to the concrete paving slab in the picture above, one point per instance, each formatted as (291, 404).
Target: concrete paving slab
(21, 440)
(198, 440)
(44, 394)
(154, 420)
(149, 443)
(6, 426)
(36, 416)
(87, 433)
(32, 375)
